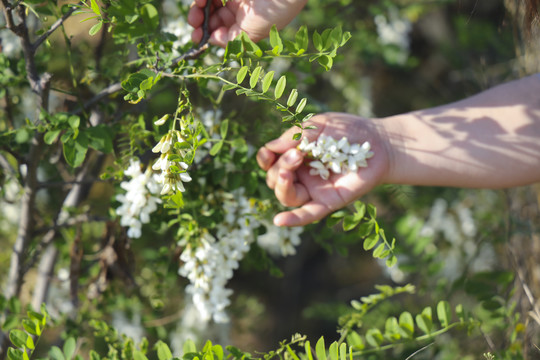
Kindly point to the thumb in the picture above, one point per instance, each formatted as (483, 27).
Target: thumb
(284, 142)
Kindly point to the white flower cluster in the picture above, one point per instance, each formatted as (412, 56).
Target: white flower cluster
(394, 30)
(170, 178)
(211, 263)
(334, 155)
(139, 201)
(280, 240)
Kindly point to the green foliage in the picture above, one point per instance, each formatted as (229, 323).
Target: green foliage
(363, 221)
(24, 341)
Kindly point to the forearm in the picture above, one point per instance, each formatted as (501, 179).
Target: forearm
(491, 140)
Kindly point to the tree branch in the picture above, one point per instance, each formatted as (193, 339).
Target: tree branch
(53, 27)
(196, 51)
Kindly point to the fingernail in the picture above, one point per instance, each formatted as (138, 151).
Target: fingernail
(292, 158)
(263, 156)
(278, 220)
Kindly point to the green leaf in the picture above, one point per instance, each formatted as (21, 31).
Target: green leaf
(350, 222)
(391, 261)
(101, 138)
(218, 350)
(346, 37)
(297, 136)
(302, 40)
(320, 349)
(95, 28)
(355, 340)
(95, 7)
(317, 41)
(307, 348)
(280, 87)
(325, 61)
(31, 327)
(138, 355)
(424, 320)
(69, 348)
(255, 77)
(301, 106)
(336, 35)
(343, 351)
(249, 45)
(75, 151)
(371, 241)
(267, 81)
(163, 351)
(216, 148)
(360, 208)
(275, 41)
(392, 329)
(378, 252)
(374, 337)
(333, 351)
(444, 313)
(51, 136)
(150, 16)
(223, 128)
(56, 354)
(406, 323)
(18, 338)
(308, 117)
(15, 354)
(241, 75)
(292, 97)
(372, 211)
(94, 355)
(74, 122)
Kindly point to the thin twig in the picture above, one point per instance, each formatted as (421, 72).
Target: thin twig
(419, 350)
(53, 27)
(109, 90)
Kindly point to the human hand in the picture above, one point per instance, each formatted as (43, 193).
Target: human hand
(254, 17)
(314, 198)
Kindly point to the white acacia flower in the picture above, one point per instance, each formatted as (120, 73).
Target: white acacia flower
(139, 201)
(335, 156)
(173, 182)
(164, 144)
(210, 264)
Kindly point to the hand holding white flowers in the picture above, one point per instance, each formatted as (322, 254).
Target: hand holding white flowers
(327, 171)
(334, 155)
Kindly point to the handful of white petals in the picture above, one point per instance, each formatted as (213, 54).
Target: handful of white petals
(338, 156)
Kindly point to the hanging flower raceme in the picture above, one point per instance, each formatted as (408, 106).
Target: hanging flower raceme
(210, 263)
(173, 171)
(337, 156)
(139, 200)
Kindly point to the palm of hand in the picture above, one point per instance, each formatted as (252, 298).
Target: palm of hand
(314, 196)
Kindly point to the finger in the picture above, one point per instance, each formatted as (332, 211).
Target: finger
(196, 35)
(219, 37)
(308, 213)
(288, 192)
(265, 158)
(291, 161)
(228, 18)
(195, 17)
